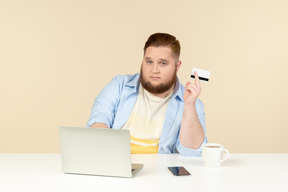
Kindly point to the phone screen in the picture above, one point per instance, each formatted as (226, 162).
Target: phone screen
(179, 171)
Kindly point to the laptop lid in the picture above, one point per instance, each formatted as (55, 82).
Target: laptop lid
(95, 151)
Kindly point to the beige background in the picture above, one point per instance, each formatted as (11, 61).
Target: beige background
(57, 55)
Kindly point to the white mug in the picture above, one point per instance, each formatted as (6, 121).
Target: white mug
(213, 154)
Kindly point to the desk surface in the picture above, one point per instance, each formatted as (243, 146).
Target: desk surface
(241, 172)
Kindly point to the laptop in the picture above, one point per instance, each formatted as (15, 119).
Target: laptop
(96, 151)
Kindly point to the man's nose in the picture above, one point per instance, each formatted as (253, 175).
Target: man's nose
(155, 68)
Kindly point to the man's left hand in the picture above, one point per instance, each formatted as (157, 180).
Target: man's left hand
(192, 91)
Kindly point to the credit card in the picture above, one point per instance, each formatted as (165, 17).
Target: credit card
(203, 74)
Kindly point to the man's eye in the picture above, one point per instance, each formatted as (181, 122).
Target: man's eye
(149, 62)
(163, 64)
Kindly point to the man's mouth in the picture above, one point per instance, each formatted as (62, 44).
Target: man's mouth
(154, 78)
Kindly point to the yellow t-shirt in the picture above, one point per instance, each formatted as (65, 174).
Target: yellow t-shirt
(146, 121)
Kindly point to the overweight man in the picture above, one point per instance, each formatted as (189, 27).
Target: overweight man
(162, 115)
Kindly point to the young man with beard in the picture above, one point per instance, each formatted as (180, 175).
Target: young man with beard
(162, 115)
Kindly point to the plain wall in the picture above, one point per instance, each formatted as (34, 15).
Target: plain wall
(57, 55)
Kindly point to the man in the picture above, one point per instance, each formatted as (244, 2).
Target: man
(162, 115)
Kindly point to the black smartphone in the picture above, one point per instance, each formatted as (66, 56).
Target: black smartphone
(179, 171)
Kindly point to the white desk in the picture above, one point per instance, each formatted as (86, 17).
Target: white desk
(241, 172)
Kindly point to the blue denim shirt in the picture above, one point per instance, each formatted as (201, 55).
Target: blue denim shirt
(115, 103)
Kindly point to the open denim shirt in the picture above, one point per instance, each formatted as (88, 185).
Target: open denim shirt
(116, 101)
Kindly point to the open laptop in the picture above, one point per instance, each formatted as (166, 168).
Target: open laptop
(96, 151)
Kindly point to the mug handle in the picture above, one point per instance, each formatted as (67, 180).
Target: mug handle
(226, 156)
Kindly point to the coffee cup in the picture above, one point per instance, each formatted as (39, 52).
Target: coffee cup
(213, 154)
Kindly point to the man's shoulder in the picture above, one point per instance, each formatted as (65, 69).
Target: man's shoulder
(127, 79)
(199, 103)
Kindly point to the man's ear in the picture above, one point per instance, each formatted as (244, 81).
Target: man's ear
(178, 64)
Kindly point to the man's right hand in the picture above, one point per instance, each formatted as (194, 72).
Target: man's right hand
(99, 125)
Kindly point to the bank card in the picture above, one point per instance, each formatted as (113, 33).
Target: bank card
(203, 74)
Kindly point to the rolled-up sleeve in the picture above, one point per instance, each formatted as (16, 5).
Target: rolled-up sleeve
(188, 151)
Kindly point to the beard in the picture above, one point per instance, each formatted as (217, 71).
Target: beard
(161, 88)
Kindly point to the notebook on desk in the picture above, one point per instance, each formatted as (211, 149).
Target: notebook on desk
(96, 151)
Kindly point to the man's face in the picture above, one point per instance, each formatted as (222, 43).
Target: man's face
(158, 70)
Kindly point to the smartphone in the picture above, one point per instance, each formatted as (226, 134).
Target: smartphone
(179, 171)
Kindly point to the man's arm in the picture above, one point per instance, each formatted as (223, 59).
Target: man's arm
(103, 110)
(191, 133)
(99, 125)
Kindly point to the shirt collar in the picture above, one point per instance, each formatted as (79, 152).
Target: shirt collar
(133, 84)
(178, 91)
